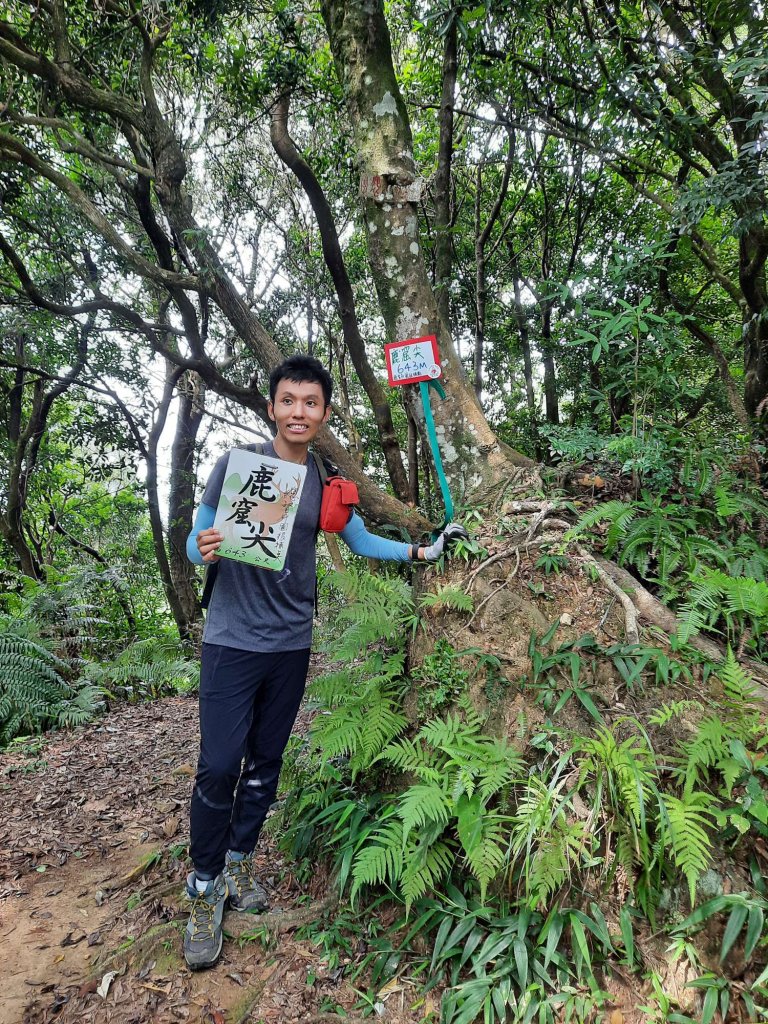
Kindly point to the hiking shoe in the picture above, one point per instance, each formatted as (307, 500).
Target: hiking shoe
(245, 893)
(203, 937)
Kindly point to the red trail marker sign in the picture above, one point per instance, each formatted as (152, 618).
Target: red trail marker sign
(413, 360)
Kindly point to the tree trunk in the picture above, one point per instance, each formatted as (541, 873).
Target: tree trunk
(443, 217)
(360, 43)
(752, 276)
(153, 504)
(181, 503)
(481, 299)
(286, 149)
(552, 409)
(413, 461)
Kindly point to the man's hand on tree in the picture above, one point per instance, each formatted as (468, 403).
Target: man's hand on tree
(449, 536)
(208, 542)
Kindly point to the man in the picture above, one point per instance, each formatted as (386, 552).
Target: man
(255, 658)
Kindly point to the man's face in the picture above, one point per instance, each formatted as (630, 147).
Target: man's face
(299, 411)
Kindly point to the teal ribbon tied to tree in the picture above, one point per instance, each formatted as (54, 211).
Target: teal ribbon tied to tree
(424, 387)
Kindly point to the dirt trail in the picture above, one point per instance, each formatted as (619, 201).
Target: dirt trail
(92, 859)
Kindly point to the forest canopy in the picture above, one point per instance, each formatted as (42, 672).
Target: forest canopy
(572, 200)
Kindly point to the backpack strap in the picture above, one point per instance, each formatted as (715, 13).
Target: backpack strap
(324, 467)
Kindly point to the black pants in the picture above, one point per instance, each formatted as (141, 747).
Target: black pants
(248, 704)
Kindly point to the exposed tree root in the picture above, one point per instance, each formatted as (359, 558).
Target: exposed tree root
(513, 549)
(630, 612)
(663, 617)
(237, 926)
(156, 892)
(141, 949)
(135, 874)
(332, 1018)
(490, 597)
(246, 1005)
(277, 921)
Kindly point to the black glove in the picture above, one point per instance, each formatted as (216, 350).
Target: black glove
(452, 533)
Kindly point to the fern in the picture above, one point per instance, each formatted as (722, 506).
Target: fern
(459, 771)
(685, 821)
(421, 804)
(146, 669)
(381, 608)
(738, 719)
(663, 715)
(627, 768)
(739, 687)
(447, 597)
(35, 693)
(740, 600)
(543, 841)
(366, 718)
(381, 859)
(482, 836)
(426, 864)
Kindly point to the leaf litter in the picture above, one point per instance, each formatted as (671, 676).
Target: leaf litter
(96, 936)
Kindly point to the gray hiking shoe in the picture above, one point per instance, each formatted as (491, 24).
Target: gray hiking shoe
(245, 893)
(203, 938)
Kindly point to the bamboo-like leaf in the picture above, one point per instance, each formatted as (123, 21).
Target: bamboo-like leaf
(735, 923)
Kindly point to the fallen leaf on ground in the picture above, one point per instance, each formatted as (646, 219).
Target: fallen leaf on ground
(106, 981)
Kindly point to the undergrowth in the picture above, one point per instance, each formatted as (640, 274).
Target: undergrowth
(526, 874)
(697, 537)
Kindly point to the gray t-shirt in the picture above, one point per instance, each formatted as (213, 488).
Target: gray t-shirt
(261, 610)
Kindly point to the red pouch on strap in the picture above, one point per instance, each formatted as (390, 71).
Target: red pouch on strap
(339, 497)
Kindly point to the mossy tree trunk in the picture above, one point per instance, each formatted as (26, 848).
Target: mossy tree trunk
(360, 42)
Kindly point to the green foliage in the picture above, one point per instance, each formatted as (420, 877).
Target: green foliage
(502, 964)
(546, 842)
(441, 678)
(551, 562)
(359, 720)
(739, 602)
(482, 844)
(696, 544)
(459, 771)
(380, 608)
(36, 687)
(447, 596)
(145, 670)
(684, 832)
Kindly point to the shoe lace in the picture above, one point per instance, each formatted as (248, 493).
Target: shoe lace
(202, 914)
(241, 873)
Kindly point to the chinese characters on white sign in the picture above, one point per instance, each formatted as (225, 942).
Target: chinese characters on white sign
(413, 360)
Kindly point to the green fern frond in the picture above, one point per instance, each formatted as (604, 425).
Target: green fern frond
(447, 596)
(421, 804)
(727, 503)
(674, 709)
(426, 864)
(626, 768)
(34, 691)
(482, 838)
(738, 685)
(405, 754)
(543, 841)
(610, 511)
(684, 827)
(381, 859)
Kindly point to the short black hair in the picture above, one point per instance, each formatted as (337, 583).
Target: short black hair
(300, 368)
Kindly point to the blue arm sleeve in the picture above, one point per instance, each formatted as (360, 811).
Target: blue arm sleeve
(358, 540)
(204, 518)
